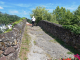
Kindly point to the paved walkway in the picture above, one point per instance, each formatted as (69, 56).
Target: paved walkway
(44, 47)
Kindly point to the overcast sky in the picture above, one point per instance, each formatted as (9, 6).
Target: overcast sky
(23, 8)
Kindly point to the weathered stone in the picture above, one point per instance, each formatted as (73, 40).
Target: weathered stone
(9, 50)
(4, 48)
(8, 42)
(15, 47)
(2, 44)
(3, 58)
(0, 40)
(13, 56)
(58, 31)
(15, 42)
(1, 52)
(18, 59)
(0, 48)
(10, 57)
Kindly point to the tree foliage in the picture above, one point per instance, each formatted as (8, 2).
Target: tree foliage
(28, 20)
(77, 16)
(63, 16)
(41, 13)
(69, 20)
(6, 18)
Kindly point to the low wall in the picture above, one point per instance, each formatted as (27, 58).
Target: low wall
(63, 34)
(10, 42)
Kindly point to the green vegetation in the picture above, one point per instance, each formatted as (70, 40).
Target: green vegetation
(8, 30)
(7, 19)
(54, 41)
(63, 16)
(0, 31)
(28, 20)
(35, 42)
(25, 45)
(69, 53)
(25, 58)
(17, 22)
(73, 28)
(69, 20)
(41, 13)
(24, 48)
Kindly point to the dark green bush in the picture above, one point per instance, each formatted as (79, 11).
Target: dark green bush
(0, 31)
(73, 28)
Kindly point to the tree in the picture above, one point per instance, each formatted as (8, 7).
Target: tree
(77, 16)
(28, 20)
(41, 13)
(63, 16)
(38, 13)
(6, 18)
(57, 12)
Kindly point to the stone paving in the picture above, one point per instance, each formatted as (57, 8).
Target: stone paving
(45, 47)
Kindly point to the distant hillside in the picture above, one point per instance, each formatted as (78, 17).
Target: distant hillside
(6, 18)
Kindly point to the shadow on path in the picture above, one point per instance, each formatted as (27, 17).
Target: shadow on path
(63, 43)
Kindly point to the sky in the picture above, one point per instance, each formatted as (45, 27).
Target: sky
(23, 8)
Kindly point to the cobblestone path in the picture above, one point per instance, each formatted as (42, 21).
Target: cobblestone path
(44, 47)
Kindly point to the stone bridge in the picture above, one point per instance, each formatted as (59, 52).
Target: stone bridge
(45, 47)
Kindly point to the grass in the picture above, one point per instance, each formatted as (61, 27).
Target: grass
(35, 42)
(50, 58)
(25, 45)
(26, 49)
(40, 34)
(54, 41)
(15, 24)
(69, 53)
(8, 30)
(64, 44)
(25, 58)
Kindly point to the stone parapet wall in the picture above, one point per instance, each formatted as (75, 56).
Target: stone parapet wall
(10, 42)
(63, 34)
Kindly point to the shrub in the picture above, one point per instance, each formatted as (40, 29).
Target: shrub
(0, 31)
(73, 28)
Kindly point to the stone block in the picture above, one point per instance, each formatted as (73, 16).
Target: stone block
(62, 33)
(0, 40)
(9, 50)
(11, 39)
(2, 44)
(1, 52)
(15, 46)
(14, 42)
(3, 58)
(10, 57)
